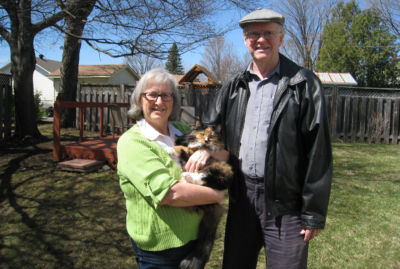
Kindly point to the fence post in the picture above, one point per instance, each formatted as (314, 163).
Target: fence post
(396, 115)
(121, 93)
(334, 108)
(7, 111)
(186, 100)
(122, 100)
(78, 99)
(56, 131)
(388, 116)
(1, 110)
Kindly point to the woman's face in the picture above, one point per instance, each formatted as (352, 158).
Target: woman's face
(156, 112)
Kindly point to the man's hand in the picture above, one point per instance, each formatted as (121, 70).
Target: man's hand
(199, 159)
(309, 234)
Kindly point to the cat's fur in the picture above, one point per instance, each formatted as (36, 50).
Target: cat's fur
(215, 174)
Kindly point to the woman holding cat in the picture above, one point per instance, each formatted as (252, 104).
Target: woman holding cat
(162, 231)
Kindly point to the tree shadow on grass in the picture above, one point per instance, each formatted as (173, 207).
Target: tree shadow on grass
(57, 219)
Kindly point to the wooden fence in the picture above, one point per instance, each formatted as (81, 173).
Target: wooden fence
(199, 96)
(356, 113)
(5, 105)
(114, 93)
(350, 109)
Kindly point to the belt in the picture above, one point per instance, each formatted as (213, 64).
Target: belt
(254, 180)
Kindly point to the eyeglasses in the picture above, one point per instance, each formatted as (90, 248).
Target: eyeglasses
(153, 96)
(268, 35)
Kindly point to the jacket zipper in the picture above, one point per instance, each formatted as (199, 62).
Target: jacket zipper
(244, 112)
(271, 190)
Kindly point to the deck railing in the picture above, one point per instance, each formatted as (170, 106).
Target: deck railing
(81, 105)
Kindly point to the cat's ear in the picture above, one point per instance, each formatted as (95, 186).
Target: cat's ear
(218, 128)
(198, 125)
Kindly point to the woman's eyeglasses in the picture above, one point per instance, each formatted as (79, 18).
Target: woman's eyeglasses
(153, 96)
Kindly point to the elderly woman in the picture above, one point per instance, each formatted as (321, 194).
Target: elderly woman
(162, 231)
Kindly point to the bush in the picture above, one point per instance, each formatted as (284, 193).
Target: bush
(38, 105)
(377, 126)
(39, 110)
(12, 107)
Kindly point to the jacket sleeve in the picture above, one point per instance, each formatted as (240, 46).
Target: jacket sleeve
(214, 115)
(316, 156)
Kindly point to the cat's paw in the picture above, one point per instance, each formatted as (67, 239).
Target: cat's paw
(171, 151)
(187, 177)
(194, 178)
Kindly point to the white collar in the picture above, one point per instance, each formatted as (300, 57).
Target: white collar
(152, 134)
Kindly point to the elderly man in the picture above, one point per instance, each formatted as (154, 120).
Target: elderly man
(275, 129)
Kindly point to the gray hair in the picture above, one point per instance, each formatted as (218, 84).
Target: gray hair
(158, 76)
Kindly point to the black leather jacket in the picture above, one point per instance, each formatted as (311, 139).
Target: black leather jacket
(298, 170)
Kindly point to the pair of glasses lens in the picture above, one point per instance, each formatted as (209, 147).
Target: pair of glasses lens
(152, 96)
(268, 35)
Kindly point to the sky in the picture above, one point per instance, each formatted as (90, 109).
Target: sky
(90, 56)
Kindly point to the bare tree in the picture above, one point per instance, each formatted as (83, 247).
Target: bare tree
(305, 21)
(142, 63)
(122, 28)
(117, 28)
(389, 10)
(75, 23)
(20, 22)
(222, 60)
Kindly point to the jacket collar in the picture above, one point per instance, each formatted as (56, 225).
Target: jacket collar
(288, 71)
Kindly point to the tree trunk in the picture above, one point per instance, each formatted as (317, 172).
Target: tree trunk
(70, 60)
(23, 64)
(69, 78)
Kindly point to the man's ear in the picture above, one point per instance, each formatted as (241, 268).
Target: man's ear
(281, 39)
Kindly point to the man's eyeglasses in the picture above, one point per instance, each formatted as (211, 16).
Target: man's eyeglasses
(153, 96)
(268, 35)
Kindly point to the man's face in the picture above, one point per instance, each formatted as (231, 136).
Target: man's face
(263, 50)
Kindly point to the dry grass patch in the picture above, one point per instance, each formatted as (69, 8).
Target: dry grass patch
(59, 219)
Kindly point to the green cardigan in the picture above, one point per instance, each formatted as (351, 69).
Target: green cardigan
(146, 172)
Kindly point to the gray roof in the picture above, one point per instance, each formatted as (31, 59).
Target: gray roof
(48, 65)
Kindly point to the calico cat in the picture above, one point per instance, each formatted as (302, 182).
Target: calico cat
(215, 174)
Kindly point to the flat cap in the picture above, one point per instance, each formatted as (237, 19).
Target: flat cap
(262, 15)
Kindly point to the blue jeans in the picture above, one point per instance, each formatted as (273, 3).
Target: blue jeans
(165, 259)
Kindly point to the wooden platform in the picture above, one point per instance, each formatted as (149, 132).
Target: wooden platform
(80, 165)
(104, 149)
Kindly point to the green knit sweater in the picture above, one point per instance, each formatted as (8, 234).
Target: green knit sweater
(146, 173)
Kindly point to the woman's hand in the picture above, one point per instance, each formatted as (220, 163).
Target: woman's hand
(199, 159)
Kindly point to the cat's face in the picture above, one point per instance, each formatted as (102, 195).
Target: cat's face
(208, 137)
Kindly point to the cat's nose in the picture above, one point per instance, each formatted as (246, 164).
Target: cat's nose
(207, 139)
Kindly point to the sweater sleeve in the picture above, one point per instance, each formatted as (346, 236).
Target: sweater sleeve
(183, 128)
(143, 165)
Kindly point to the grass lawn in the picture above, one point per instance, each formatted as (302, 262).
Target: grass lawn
(58, 219)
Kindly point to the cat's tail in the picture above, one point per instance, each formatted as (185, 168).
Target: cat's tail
(198, 258)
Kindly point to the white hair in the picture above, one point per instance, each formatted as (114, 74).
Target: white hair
(158, 76)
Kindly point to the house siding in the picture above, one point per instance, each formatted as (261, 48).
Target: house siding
(44, 85)
(6, 69)
(80, 80)
(123, 77)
